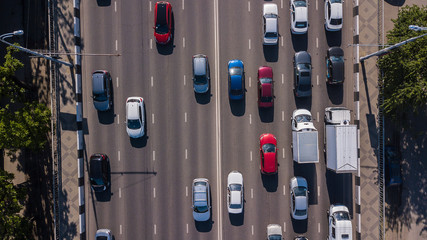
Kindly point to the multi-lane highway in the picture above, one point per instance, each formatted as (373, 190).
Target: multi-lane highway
(190, 136)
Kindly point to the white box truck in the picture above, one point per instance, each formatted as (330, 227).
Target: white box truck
(304, 137)
(340, 142)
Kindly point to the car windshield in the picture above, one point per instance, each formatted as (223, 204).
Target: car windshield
(201, 209)
(266, 99)
(341, 216)
(162, 29)
(335, 1)
(200, 79)
(101, 238)
(235, 187)
(270, 15)
(235, 206)
(100, 97)
(96, 181)
(300, 212)
(134, 124)
(336, 21)
(270, 35)
(337, 59)
(268, 148)
(301, 24)
(300, 3)
(300, 191)
(275, 237)
(304, 66)
(235, 71)
(303, 118)
(265, 80)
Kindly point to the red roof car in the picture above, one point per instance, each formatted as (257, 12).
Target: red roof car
(268, 153)
(163, 22)
(265, 87)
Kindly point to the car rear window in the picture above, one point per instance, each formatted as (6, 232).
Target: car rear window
(161, 14)
(336, 21)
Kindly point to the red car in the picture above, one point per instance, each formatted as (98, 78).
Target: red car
(265, 87)
(163, 22)
(268, 153)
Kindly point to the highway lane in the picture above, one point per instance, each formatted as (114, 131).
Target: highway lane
(151, 180)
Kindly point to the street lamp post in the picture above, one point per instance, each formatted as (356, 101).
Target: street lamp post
(19, 33)
(388, 49)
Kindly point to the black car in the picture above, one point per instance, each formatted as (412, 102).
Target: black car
(393, 172)
(302, 74)
(335, 65)
(99, 172)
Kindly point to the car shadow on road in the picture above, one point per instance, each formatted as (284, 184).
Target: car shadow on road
(238, 107)
(271, 53)
(103, 3)
(104, 196)
(270, 182)
(106, 117)
(333, 38)
(266, 114)
(303, 102)
(139, 142)
(340, 189)
(299, 226)
(308, 171)
(299, 42)
(203, 98)
(237, 219)
(335, 93)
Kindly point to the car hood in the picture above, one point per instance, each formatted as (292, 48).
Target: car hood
(274, 229)
(135, 133)
(270, 8)
(298, 182)
(235, 178)
(302, 57)
(101, 106)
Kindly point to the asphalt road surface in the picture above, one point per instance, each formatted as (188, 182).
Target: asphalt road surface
(189, 135)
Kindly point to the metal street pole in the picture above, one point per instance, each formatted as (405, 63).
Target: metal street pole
(20, 32)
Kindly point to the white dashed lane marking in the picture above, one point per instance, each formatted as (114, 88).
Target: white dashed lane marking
(120, 192)
(249, 6)
(252, 193)
(118, 119)
(118, 155)
(250, 153)
(152, 82)
(117, 81)
(154, 155)
(154, 192)
(152, 118)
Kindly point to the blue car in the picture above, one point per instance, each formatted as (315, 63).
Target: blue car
(236, 79)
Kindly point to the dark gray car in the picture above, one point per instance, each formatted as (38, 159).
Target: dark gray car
(200, 73)
(302, 74)
(101, 90)
(335, 65)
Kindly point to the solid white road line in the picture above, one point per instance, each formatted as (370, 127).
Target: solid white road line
(184, 80)
(118, 119)
(152, 118)
(186, 155)
(152, 81)
(117, 81)
(217, 120)
(183, 42)
(283, 78)
(186, 191)
(252, 193)
(251, 155)
(155, 230)
(317, 77)
(250, 80)
(120, 192)
(284, 190)
(317, 116)
(121, 230)
(115, 6)
(250, 118)
(283, 116)
(118, 155)
(116, 45)
(154, 155)
(154, 192)
(283, 149)
(151, 43)
(249, 44)
(249, 6)
(185, 116)
(150, 6)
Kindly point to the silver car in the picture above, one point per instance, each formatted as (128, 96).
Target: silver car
(274, 232)
(201, 200)
(200, 73)
(299, 198)
(103, 234)
(135, 117)
(102, 90)
(235, 192)
(270, 16)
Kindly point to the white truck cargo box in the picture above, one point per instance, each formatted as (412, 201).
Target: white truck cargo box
(305, 146)
(341, 148)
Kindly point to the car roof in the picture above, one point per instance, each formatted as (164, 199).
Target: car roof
(199, 63)
(271, 25)
(338, 70)
(98, 82)
(161, 13)
(236, 82)
(336, 10)
(302, 57)
(266, 90)
(300, 202)
(95, 166)
(132, 112)
(301, 14)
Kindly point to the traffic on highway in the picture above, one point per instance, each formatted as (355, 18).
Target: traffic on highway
(219, 119)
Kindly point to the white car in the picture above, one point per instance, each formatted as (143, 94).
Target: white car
(201, 200)
(299, 198)
(103, 234)
(135, 117)
(235, 192)
(270, 15)
(299, 16)
(340, 226)
(274, 232)
(301, 119)
(333, 15)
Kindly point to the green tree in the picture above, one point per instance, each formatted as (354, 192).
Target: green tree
(12, 224)
(405, 68)
(24, 124)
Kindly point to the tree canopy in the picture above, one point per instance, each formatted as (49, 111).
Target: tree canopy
(12, 224)
(24, 122)
(405, 68)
